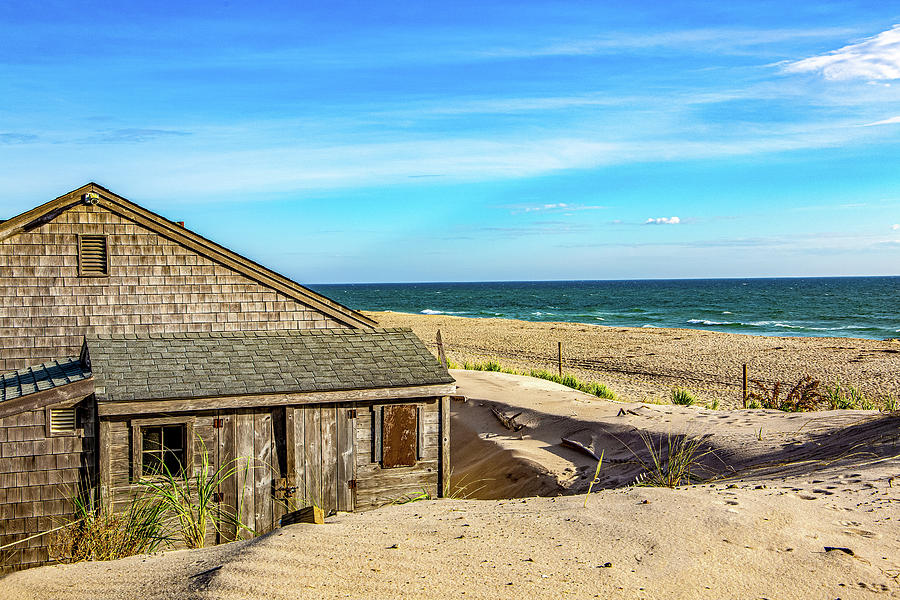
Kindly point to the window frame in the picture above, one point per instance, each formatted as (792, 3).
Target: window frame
(137, 445)
(81, 272)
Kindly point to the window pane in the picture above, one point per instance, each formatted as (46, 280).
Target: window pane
(151, 437)
(173, 462)
(173, 437)
(151, 463)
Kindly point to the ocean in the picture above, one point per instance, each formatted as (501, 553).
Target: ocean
(860, 307)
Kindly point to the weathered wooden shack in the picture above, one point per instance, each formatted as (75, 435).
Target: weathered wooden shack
(177, 346)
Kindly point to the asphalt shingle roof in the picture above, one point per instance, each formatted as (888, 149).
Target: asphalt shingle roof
(42, 377)
(201, 365)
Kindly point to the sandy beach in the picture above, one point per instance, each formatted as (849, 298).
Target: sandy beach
(801, 505)
(646, 363)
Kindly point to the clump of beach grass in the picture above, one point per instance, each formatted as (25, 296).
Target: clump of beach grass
(674, 460)
(97, 534)
(189, 501)
(683, 397)
(803, 396)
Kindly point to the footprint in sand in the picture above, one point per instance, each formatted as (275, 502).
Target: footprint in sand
(861, 532)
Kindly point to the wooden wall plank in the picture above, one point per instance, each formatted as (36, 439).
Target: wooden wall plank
(262, 445)
(243, 449)
(329, 457)
(444, 474)
(229, 487)
(313, 448)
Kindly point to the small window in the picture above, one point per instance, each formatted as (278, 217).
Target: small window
(93, 260)
(62, 420)
(162, 449)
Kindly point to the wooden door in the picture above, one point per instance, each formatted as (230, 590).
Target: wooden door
(246, 443)
(321, 456)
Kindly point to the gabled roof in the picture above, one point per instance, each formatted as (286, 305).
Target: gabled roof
(178, 234)
(129, 367)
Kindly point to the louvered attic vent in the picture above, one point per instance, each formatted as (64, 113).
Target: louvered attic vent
(92, 258)
(62, 420)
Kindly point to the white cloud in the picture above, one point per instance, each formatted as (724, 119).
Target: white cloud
(896, 227)
(875, 59)
(552, 207)
(663, 221)
(890, 121)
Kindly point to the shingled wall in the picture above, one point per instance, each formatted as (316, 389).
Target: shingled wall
(155, 286)
(39, 476)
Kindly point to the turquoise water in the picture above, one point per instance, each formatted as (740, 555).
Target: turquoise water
(863, 307)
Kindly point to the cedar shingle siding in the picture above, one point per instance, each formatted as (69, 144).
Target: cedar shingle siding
(154, 286)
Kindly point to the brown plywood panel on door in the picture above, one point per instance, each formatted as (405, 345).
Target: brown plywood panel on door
(346, 460)
(263, 473)
(313, 449)
(329, 457)
(243, 450)
(399, 435)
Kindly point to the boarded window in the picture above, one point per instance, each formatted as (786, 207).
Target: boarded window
(62, 420)
(92, 257)
(399, 435)
(162, 449)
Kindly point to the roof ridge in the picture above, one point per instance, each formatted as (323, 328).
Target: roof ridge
(246, 334)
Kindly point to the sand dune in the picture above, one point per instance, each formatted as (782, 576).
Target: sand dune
(762, 533)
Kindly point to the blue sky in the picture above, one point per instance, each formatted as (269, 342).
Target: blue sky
(413, 141)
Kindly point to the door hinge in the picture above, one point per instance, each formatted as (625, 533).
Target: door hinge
(351, 484)
(351, 414)
(218, 497)
(218, 423)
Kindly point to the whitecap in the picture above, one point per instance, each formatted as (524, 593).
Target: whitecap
(428, 311)
(655, 327)
(727, 312)
(706, 322)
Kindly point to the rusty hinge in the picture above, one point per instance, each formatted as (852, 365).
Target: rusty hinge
(218, 497)
(218, 423)
(351, 484)
(351, 414)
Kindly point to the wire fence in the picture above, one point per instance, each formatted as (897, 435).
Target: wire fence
(717, 383)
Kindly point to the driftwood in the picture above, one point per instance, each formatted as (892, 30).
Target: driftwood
(576, 445)
(508, 422)
(623, 411)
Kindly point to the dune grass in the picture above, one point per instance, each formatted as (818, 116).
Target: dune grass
(96, 534)
(683, 397)
(674, 460)
(589, 387)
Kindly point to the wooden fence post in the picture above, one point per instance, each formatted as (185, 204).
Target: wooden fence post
(744, 386)
(559, 356)
(440, 347)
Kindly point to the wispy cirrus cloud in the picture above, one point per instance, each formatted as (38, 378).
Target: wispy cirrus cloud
(663, 221)
(876, 58)
(551, 207)
(133, 135)
(890, 121)
(17, 138)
